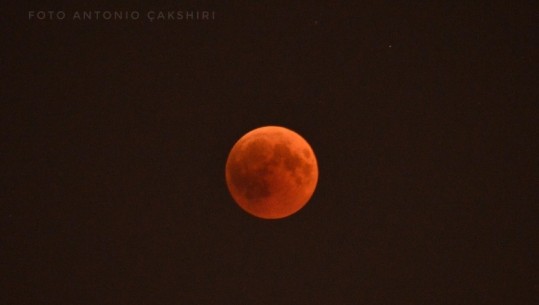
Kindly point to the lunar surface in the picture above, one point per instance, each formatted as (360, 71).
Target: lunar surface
(271, 172)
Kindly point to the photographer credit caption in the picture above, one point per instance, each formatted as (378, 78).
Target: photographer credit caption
(133, 15)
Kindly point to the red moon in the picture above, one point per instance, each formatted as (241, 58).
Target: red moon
(271, 172)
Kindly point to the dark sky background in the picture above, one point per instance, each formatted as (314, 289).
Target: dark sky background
(423, 118)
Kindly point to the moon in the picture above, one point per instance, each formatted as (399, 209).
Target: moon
(271, 172)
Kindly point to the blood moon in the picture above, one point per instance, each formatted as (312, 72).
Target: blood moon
(271, 172)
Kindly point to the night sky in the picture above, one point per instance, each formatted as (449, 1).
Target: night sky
(115, 134)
